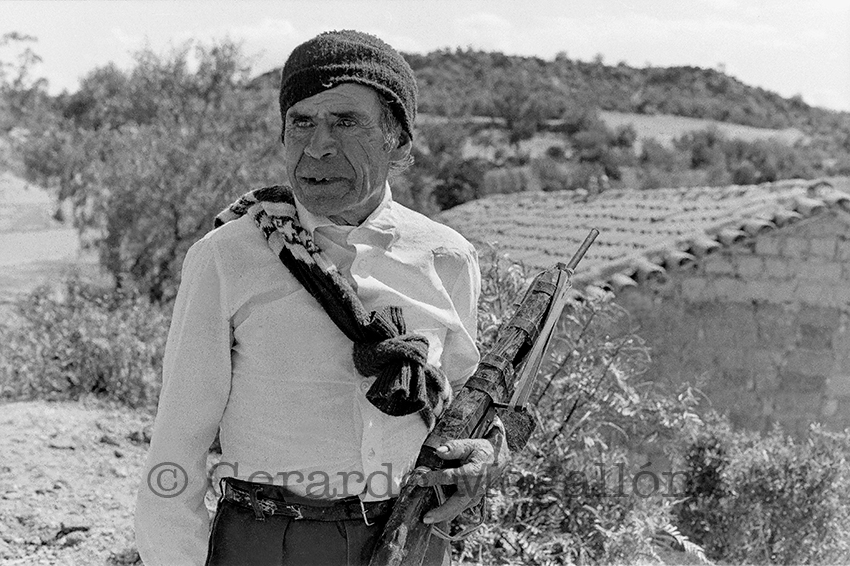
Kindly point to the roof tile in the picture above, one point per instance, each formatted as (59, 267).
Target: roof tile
(641, 232)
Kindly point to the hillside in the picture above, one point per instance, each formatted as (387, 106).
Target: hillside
(460, 82)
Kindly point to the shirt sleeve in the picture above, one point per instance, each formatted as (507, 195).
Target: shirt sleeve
(171, 522)
(462, 278)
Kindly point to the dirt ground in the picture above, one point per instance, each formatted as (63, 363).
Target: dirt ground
(68, 471)
(68, 478)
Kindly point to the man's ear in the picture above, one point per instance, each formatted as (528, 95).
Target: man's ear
(402, 149)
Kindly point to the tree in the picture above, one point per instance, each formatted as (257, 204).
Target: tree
(147, 157)
(22, 95)
(523, 100)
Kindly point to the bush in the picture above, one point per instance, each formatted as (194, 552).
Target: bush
(789, 500)
(559, 503)
(78, 340)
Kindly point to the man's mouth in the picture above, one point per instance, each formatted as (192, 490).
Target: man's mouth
(320, 181)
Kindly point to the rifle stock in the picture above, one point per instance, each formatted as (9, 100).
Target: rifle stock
(406, 537)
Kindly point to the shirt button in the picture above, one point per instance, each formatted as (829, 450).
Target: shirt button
(364, 386)
(371, 453)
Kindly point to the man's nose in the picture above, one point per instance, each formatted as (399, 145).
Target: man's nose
(321, 144)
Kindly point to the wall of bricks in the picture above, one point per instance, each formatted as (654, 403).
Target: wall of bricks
(761, 327)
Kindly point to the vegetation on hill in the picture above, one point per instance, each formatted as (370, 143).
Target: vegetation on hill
(463, 82)
(526, 96)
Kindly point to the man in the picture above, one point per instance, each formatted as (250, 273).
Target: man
(323, 327)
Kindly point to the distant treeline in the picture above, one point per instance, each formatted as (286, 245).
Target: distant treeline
(463, 82)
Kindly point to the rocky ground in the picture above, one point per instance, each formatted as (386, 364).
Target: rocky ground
(68, 471)
(68, 478)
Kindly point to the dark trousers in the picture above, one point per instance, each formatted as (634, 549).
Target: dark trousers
(239, 538)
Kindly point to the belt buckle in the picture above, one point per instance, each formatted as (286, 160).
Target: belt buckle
(363, 512)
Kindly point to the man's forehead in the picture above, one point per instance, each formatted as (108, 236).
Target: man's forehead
(346, 97)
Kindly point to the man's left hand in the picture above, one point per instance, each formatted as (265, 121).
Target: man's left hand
(482, 460)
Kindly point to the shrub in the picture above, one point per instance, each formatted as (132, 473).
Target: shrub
(789, 500)
(77, 340)
(559, 503)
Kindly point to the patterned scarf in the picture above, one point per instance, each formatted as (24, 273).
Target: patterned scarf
(406, 383)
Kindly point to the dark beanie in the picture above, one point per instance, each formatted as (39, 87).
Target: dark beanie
(336, 57)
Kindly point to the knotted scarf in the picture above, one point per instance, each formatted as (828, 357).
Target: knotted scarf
(405, 382)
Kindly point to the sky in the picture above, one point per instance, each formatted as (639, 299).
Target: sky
(792, 47)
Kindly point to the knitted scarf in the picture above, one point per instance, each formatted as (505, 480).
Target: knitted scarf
(405, 382)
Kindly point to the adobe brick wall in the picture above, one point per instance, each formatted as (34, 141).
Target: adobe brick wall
(762, 327)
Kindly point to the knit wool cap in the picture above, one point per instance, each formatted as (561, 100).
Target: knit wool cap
(349, 56)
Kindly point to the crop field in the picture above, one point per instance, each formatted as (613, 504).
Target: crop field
(664, 128)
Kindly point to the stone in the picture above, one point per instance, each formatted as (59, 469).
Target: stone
(108, 439)
(830, 407)
(819, 270)
(775, 326)
(73, 539)
(767, 245)
(798, 404)
(816, 294)
(796, 247)
(842, 250)
(814, 337)
(838, 385)
(729, 290)
(777, 268)
(693, 288)
(718, 265)
(750, 267)
(798, 384)
(810, 362)
(823, 247)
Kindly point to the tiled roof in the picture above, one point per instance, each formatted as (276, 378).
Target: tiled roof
(641, 232)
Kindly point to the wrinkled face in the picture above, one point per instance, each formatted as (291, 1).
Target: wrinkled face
(336, 155)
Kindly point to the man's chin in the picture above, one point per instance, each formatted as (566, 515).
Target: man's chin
(323, 207)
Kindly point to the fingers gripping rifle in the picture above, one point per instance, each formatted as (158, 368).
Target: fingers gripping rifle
(499, 387)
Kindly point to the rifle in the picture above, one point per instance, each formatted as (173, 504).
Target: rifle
(506, 372)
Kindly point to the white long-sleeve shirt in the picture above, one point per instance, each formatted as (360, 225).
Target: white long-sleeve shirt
(250, 350)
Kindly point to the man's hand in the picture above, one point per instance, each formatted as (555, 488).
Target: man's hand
(482, 460)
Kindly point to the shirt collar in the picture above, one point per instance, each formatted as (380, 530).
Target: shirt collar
(376, 223)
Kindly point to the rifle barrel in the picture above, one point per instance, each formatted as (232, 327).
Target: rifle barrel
(571, 265)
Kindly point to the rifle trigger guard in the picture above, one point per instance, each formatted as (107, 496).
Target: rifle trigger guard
(482, 515)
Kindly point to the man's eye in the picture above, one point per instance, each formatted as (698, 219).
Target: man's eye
(302, 123)
(346, 122)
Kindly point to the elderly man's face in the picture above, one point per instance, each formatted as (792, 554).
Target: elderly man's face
(336, 154)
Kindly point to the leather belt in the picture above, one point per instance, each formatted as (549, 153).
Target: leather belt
(348, 509)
